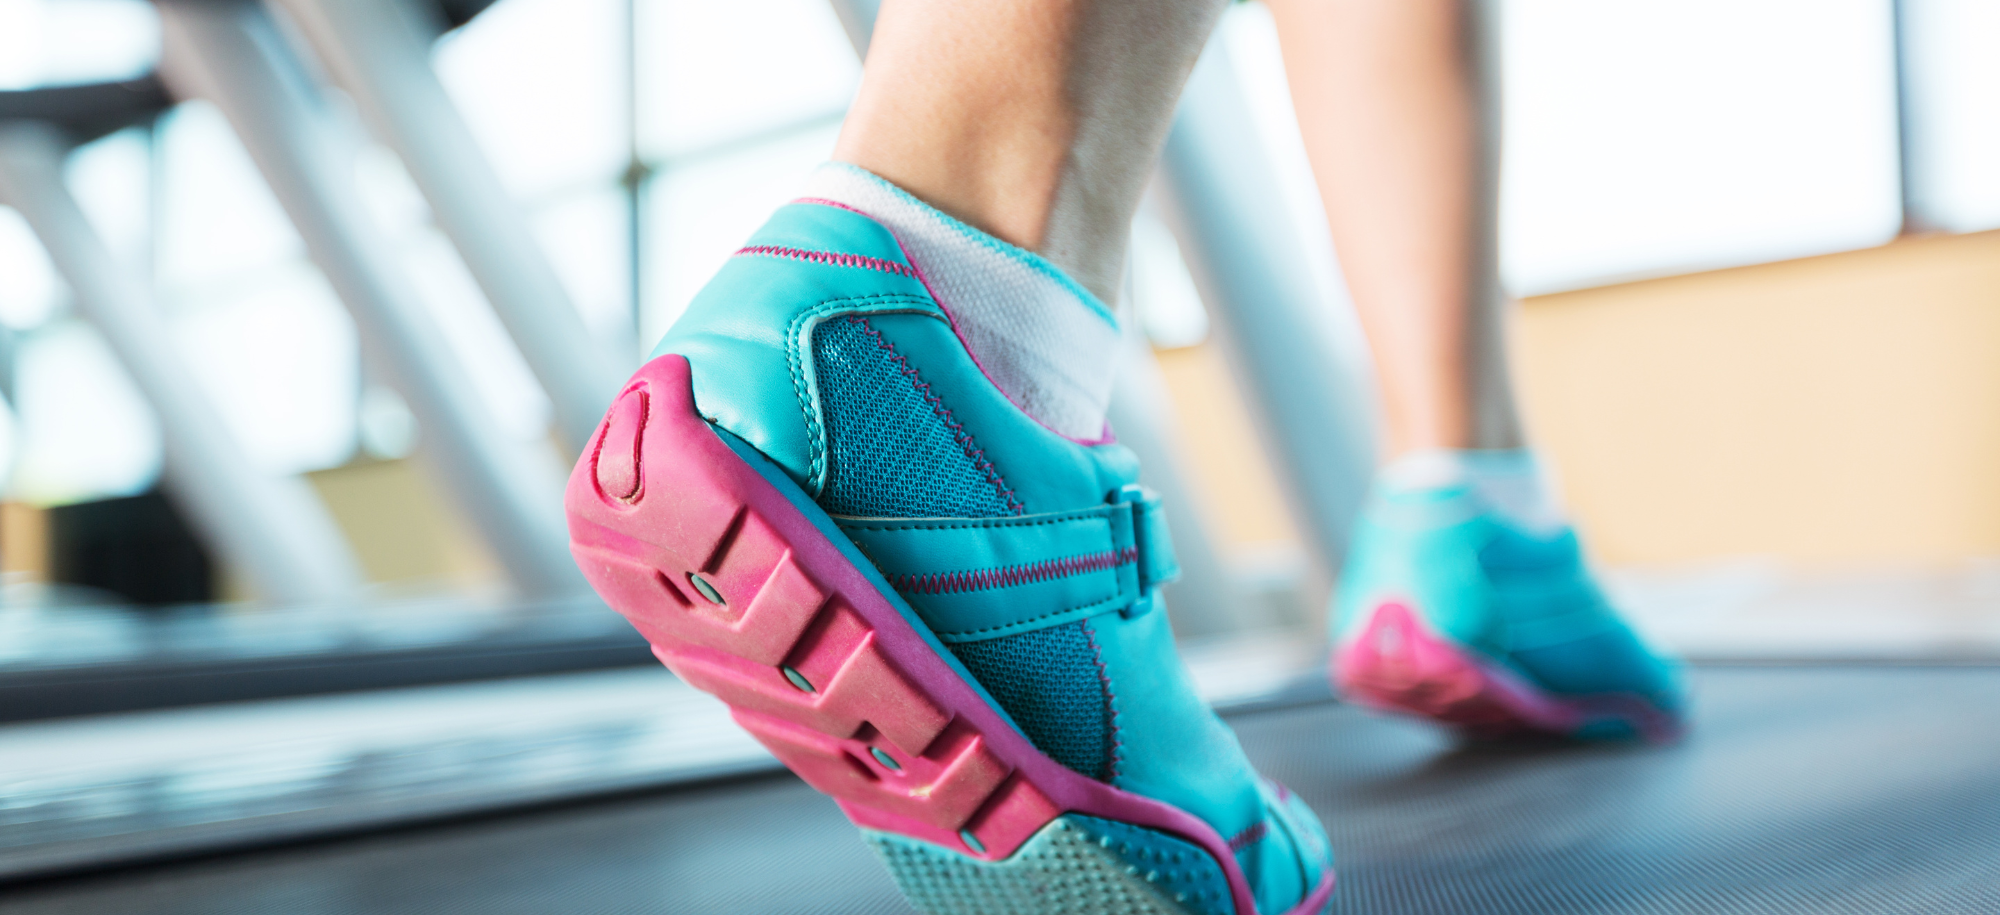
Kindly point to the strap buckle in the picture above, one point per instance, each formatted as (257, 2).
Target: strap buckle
(1156, 564)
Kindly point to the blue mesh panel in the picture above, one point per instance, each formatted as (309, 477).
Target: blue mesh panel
(893, 450)
(1050, 682)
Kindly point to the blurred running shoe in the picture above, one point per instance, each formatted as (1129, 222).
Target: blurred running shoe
(1449, 609)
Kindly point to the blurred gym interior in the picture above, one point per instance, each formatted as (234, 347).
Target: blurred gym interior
(307, 305)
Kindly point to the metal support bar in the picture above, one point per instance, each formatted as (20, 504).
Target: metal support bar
(1908, 181)
(1229, 215)
(231, 52)
(857, 18)
(378, 50)
(271, 527)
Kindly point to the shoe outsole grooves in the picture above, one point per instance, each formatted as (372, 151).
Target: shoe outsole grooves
(1396, 664)
(743, 596)
(1077, 864)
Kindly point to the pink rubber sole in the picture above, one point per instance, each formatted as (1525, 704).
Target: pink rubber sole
(1398, 665)
(743, 596)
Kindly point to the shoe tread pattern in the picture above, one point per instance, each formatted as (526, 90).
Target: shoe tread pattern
(648, 522)
(1076, 865)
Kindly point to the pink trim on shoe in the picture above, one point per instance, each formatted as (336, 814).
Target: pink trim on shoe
(1316, 901)
(827, 257)
(1397, 664)
(743, 596)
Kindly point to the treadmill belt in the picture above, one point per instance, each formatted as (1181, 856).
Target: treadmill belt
(1803, 789)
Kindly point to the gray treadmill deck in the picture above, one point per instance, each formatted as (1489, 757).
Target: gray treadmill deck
(1803, 789)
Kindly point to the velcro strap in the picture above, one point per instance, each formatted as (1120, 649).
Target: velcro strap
(978, 578)
(1157, 565)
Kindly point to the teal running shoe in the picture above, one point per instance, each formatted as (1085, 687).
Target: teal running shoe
(817, 506)
(1446, 611)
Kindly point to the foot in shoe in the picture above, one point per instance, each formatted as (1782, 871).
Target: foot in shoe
(1468, 604)
(887, 530)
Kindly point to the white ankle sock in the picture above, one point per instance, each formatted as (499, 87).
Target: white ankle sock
(1509, 482)
(1046, 342)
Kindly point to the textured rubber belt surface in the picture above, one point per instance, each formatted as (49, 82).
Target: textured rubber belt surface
(1823, 790)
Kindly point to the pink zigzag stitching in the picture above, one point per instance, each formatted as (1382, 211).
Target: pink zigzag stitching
(829, 257)
(964, 438)
(1110, 705)
(1249, 837)
(982, 579)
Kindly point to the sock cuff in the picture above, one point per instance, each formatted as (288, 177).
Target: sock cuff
(1042, 339)
(1510, 482)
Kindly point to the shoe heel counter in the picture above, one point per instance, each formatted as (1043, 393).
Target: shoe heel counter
(747, 334)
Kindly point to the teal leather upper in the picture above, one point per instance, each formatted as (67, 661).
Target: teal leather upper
(1088, 545)
(745, 333)
(1527, 602)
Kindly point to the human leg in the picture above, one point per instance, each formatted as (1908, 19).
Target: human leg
(1036, 122)
(1403, 144)
(862, 493)
(1466, 597)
